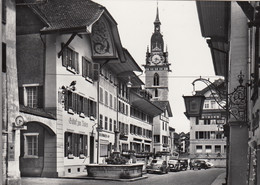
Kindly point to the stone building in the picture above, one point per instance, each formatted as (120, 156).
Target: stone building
(232, 32)
(157, 69)
(207, 140)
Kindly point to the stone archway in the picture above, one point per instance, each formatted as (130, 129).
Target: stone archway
(38, 151)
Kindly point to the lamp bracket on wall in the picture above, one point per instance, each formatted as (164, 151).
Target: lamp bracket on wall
(235, 102)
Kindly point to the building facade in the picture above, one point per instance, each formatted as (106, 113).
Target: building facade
(73, 76)
(234, 44)
(207, 140)
(157, 70)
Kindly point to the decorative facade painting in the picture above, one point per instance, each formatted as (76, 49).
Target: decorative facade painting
(101, 40)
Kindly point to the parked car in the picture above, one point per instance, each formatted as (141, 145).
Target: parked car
(174, 165)
(183, 164)
(158, 165)
(209, 164)
(200, 164)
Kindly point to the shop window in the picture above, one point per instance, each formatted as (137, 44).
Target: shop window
(103, 150)
(198, 149)
(76, 145)
(70, 60)
(87, 68)
(31, 145)
(31, 96)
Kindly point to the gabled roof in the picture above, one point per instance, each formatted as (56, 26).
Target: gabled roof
(75, 16)
(64, 14)
(164, 105)
(217, 84)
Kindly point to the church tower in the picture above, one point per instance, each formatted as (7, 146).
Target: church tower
(157, 66)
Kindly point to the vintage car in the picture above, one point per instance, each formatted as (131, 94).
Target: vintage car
(200, 164)
(174, 165)
(183, 164)
(157, 165)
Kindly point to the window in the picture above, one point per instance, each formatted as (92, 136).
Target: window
(157, 138)
(103, 150)
(101, 95)
(163, 125)
(212, 104)
(31, 144)
(106, 124)
(74, 103)
(198, 149)
(217, 149)
(156, 79)
(106, 98)
(206, 121)
(208, 149)
(115, 102)
(70, 60)
(31, 96)
(75, 144)
(114, 125)
(4, 11)
(87, 70)
(156, 93)
(110, 124)
(206, 104)
(111, 101)
(101, 120)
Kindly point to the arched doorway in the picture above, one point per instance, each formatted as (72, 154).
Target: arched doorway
(38, 151)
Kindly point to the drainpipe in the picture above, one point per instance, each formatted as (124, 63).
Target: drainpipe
(1, 90)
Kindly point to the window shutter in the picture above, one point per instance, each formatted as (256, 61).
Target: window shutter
(21, 95)
(74, 102)
(64, 56)
(85, 145)
(84, 67)
(73, 61)
(40, 97)
(79, 109)
(66, 144)
(95, 74)
(85, 106)
(66, 100)
(77, 62)
(73, 143)
(94, 109)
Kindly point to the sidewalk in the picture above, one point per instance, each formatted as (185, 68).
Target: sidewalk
(220, 179)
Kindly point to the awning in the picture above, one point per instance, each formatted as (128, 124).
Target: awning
(145, 105)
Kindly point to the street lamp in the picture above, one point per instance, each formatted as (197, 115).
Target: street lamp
(194, 105)
(235, 103)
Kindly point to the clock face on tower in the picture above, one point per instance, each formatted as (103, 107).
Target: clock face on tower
(156, 59)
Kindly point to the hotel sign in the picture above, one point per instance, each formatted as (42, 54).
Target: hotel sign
(73, 121)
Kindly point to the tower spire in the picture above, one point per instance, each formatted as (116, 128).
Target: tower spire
(157, 20)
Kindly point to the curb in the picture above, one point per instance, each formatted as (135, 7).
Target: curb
(220, 180)
(107, 179)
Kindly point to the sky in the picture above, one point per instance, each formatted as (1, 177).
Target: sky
(189, 53)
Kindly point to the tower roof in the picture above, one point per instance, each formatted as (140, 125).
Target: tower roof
(157, 20)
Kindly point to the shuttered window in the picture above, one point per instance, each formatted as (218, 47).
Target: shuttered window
(87, 71)
(75, 144)
(70, 59)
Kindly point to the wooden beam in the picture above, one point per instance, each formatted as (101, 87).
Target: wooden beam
(66, 44)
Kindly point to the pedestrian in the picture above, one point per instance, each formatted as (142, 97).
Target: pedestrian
(190, 164)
